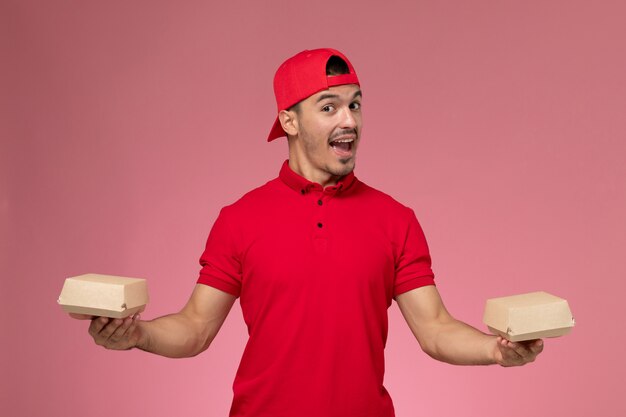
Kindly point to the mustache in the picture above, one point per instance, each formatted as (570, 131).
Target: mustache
(343, 132)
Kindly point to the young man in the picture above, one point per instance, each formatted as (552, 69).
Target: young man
(316, 258)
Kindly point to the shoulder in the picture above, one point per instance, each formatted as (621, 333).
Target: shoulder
(383, 202)
(253, 201)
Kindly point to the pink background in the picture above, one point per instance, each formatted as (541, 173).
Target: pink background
(126, 126)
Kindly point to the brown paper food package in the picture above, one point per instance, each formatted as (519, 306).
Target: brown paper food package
(104, 295)
(528, 316)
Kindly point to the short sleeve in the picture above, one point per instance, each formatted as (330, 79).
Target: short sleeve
(413, 266)
(221, 265)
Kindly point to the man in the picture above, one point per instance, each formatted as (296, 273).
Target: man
(316, 258)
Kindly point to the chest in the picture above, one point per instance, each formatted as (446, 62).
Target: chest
(320, 245)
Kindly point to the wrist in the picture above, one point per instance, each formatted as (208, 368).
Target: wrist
(492, 350)
(143, 342)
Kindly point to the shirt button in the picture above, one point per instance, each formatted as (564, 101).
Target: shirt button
(319, 225)
(320, 202)
(302, 191)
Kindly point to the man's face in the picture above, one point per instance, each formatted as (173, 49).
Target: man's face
(329, 129)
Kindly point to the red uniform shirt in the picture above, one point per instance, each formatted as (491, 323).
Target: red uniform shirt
(316, 270)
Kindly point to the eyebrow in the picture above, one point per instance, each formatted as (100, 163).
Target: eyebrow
(325, 96)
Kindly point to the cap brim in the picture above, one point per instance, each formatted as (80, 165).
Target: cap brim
(277, 131)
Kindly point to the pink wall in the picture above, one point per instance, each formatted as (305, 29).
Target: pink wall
(125, 126)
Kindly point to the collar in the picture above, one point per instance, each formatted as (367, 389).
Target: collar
(303, 186)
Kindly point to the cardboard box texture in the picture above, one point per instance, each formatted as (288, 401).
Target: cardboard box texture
(528, 316)
(104, 295)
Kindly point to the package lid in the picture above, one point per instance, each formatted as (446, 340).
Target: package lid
(528, 316)
(104, 295)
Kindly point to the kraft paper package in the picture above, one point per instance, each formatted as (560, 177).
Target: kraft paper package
(104, 295)
(528, 316)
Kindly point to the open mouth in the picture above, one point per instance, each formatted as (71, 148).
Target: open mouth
(342, 147)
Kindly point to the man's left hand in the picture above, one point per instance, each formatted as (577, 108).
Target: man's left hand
(508, 353)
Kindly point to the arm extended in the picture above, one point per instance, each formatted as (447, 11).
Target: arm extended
(183, 334)
(449, 340)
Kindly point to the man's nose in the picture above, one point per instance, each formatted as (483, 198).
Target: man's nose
(348, 121)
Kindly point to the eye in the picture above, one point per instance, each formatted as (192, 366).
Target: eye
(355, 106)
(328, 108)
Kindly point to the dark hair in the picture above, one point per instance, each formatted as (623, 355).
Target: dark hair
(334, 66)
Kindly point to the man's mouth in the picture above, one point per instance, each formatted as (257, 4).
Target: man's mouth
(342, 145)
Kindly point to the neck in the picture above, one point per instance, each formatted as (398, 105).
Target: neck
(303, 167)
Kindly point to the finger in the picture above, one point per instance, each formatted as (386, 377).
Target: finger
(97, 325)
(532, 349)
(537, 346)
(110, 328)
(519, 348)
(518, 353)
(132, 327)
(510, 357)
(508, 346)
(118, 334)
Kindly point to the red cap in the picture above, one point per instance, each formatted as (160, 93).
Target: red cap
(303, 75)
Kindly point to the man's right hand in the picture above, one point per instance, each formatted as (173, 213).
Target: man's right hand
(179, 335)
(116, 334)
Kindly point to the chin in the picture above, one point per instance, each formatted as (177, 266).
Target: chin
(346, 166)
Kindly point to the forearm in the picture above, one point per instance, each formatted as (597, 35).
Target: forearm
(449, 340)
(173, 336)
(179, 335)
(461, 344)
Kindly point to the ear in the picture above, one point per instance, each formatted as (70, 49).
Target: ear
(289, 121)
